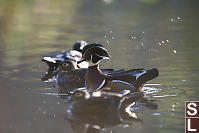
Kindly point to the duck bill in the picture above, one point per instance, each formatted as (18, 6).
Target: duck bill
(78, 62)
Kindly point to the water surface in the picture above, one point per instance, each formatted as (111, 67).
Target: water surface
(138, 34)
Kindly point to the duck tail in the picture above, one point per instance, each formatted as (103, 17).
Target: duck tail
(48, 59)
(146, 76)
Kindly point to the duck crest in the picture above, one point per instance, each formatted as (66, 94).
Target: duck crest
(95, 78)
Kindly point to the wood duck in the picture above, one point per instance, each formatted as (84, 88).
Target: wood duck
(96, 80)
(68, 80)
(71, 55)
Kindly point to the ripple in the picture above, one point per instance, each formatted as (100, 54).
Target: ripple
(156, 114)
(150, 90)
(165, 96)
(153, 84)
(54, 94)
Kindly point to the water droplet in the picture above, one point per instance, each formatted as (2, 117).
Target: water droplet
(107, 2)
(172, 20)
(133, 37)
(167, 41)
(68, 19)
(113, 37)
(175, 51)
(178, 18)
(43, 102)
(44, 112)
(107, 41)
(159, 43)
(104, 36)
(184, 80)
(142, 44)
(143, 32)
(39, 109)
(10, 126)
(54, 115)
(58, 102)
(111, 31)
(162, 41)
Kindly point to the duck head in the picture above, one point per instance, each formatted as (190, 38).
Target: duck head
(94, 53)
(79, 45)
(67, 65)
(80, 95)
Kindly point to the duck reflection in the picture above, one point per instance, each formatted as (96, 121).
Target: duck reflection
(92, 113)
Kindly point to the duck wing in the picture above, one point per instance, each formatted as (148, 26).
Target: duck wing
(136, 77)
(131, 71)
(72, 55)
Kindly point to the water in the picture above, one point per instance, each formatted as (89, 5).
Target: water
(132, 31)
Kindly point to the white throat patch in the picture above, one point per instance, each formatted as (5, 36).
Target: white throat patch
(91, 63)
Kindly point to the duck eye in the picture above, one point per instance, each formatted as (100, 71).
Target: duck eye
(78, 94)
(64, 64)
(88, 56)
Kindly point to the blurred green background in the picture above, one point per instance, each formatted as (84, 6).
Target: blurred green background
(137, 33)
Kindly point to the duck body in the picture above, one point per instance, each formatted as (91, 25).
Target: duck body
(74, 55)
(96, 80)
(132, 79)
(71, 79)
